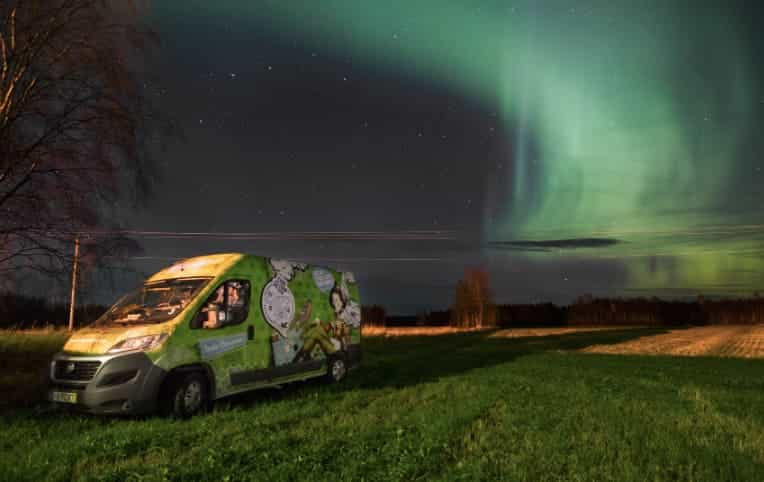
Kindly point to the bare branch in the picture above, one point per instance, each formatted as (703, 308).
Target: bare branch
(74, 121)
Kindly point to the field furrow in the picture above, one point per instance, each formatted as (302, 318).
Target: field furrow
(746, 341)
(748, 345)
(528, 332)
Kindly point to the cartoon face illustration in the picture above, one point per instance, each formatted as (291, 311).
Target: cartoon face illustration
(285, 269)
(352, 314)
(348, 277)
(323, 279)
(285, 349)
(288, 345)
(337, 300)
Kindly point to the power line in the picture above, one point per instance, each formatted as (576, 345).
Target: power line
(411, 235)
(300, 258)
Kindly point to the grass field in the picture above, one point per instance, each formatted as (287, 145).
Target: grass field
(459, 406)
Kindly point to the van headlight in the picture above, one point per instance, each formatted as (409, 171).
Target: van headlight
(143, 343)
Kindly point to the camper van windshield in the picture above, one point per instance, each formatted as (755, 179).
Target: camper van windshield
(154, 302)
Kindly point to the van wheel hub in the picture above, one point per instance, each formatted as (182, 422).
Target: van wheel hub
(192, 396)
(338, 369)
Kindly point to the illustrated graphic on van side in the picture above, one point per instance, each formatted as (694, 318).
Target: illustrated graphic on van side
(208, 327)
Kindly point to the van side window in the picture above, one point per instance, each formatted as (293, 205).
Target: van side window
(227, 305)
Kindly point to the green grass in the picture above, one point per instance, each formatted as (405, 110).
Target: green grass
(24, 358)
(454, 407)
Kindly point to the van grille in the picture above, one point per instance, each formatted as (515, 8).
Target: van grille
(76, 370)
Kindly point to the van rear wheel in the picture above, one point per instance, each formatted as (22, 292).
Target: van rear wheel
(187, 395)
(336, 370)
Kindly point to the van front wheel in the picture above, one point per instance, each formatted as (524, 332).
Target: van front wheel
(187, 395)
(337, 369)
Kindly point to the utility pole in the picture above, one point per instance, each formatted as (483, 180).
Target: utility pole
(74, 280)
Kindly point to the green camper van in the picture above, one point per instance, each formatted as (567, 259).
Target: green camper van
(209, 327)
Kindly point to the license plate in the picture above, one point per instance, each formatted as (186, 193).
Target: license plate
(64, 397)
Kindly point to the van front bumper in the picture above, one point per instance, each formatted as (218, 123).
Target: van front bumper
(123, 383)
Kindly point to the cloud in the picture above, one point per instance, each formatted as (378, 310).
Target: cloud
(548, 244)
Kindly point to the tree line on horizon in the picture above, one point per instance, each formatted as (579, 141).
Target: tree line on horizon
(473, 307)
(599, 311)
(19, 311)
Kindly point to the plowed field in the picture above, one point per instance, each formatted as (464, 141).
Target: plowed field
(745, 341)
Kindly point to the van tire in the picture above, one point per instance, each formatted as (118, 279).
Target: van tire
(185, 395)
(336, 369)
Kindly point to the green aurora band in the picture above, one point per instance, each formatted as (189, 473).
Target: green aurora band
(627, 122)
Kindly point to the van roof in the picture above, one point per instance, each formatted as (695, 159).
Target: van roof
(209, 265)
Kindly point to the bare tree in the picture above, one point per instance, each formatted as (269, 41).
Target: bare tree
(77, 124)
(473, 306)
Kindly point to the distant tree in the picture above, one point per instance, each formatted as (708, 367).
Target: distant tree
(473, 304)
(584, 299)
(76, 124)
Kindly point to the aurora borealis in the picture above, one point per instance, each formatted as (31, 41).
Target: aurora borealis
(633, 124)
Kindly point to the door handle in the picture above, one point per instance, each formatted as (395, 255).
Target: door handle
(250, 332)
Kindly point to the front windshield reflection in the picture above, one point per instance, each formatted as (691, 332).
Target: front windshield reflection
(154, 302)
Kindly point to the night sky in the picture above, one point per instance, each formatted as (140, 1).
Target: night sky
(569, 147)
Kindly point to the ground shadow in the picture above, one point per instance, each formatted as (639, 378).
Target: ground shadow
(420, 359)
(410, 360)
